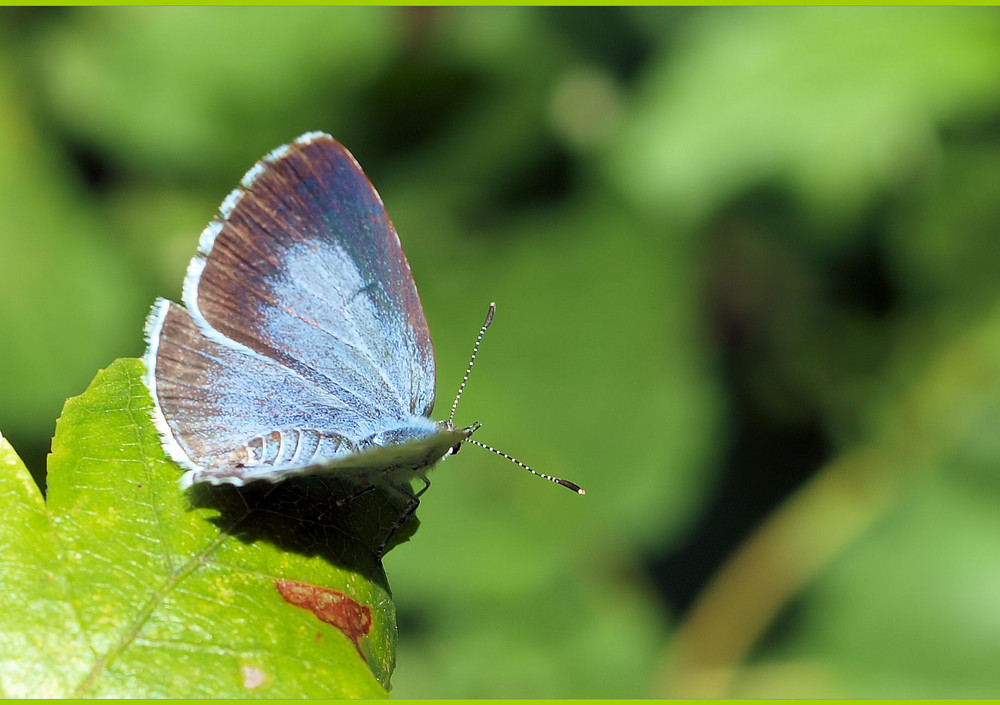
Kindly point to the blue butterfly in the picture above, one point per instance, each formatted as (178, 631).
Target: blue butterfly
(302, 347)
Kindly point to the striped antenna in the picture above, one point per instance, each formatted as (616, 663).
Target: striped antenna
(482, 331)
(472, 360)
(558, 480)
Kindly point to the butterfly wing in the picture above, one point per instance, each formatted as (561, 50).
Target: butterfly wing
(306, 268)
(303, 334)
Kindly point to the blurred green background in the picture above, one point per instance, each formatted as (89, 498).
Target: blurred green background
(747, 267)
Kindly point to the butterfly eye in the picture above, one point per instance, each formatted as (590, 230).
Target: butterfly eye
(455, 448)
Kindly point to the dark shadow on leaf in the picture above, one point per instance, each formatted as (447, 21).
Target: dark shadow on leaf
(308, 515)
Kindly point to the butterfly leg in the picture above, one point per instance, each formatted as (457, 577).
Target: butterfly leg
(411, 507)
(427, 483)
(353, 496)
(344, 501)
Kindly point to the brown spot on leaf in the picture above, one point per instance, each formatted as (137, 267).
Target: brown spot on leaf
(331, 606)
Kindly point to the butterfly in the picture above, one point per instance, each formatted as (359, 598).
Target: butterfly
(301, 347)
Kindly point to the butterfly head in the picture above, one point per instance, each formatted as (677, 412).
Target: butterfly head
(466, 432)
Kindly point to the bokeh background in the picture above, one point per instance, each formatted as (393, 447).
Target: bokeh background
(747, 266)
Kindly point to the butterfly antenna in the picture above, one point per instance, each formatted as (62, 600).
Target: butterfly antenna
(479, 339)
(472, 360)
(558, 480)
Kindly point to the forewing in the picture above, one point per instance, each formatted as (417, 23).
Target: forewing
(305, 268)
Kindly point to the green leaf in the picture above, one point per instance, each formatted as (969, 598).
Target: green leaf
(828, 101)
(122, 585)
(87, 68)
